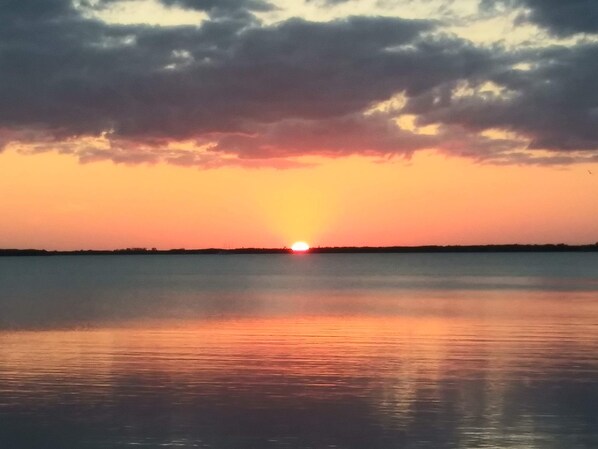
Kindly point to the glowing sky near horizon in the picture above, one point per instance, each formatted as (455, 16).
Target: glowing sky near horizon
(57, 203)
(174, 123)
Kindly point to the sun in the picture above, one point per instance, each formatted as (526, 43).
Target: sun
(300, 247)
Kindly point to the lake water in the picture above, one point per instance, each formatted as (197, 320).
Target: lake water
(300, 351)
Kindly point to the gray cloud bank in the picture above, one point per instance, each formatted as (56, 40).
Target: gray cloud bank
(255, 94)
(560, 17)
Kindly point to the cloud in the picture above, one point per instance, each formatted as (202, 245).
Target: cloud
(339, 136)
(222, 7)
(237, 91)
(76, 75)
(199, 5)
(552, 103)
(561, 17)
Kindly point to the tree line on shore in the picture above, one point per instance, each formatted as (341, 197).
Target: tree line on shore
(512, 248)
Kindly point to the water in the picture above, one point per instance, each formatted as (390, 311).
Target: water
(314, 351)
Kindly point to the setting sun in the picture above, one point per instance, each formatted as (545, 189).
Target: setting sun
(300, 247)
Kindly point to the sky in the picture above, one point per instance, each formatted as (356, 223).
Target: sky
(242, 123)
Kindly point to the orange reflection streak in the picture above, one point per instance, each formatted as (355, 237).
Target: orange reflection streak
(392, 362)
(308, 346)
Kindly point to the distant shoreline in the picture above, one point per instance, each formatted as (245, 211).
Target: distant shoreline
(512, 248)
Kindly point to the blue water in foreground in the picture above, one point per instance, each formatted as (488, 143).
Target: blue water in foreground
(312, 351)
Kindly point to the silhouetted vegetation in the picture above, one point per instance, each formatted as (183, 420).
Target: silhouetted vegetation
(514, 248)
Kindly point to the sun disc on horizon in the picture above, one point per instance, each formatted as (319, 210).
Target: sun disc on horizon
(300, 247)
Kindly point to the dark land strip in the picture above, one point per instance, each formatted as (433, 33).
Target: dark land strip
(511, 248)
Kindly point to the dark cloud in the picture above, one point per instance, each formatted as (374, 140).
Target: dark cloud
(206, 5)
(238, 88)
(565, 17)
(561, 17)
(553, 103)
(374, 134)
(220, 7)
(209, 6)
(35, 9)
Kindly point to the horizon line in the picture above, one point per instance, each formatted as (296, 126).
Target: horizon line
(507, 247)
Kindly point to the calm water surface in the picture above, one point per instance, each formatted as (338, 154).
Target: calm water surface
(315, 351)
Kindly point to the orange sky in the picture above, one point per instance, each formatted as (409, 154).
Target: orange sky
(52, 201)
(145, 124)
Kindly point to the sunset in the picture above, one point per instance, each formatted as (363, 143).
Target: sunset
(298, 224)
(193, 124)
(300, 247)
